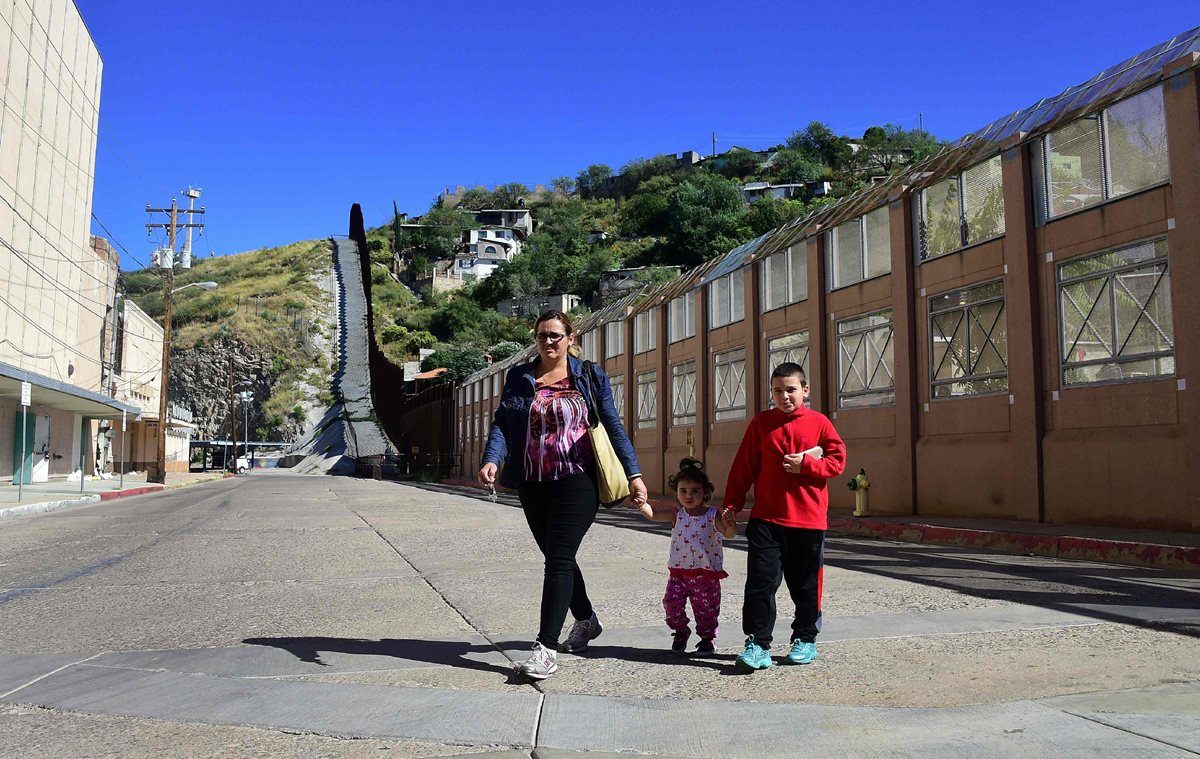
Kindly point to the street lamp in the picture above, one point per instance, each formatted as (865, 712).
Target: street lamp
(205, 285)
(246, 397)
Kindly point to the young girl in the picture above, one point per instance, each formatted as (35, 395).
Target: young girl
(696, 555)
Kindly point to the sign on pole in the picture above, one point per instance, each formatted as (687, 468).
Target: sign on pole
(26, 397)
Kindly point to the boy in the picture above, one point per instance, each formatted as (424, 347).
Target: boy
(788, 453)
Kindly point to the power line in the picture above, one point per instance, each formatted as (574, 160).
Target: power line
(69, 295)
(74, 349)
(54, 247)
(112, 237)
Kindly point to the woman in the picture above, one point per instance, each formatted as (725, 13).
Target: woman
(540, 432)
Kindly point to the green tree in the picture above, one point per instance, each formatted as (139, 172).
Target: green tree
(886, 148)
(591, 180)
(703, 220)
(739, 163)
(817, 142)
(504, 349)
(461, 362)
(456, 317)
(794, 166)
(565, 185)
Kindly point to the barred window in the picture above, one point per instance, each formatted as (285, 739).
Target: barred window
(866, 361)
(682, 316)
(618, 393)
(1115, 315)
(726, 300)
(614, 339)
(729, 385)
(962, 210)
(487, 387)
(647, 400)
(1105, 155)
(788, 348)
(587, 345)
(793, 348)
(645, 327)
(968, 333)
(859, 249)
(784, 278)
(683, 393)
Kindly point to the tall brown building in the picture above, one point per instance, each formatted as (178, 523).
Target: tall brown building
(1000, 331)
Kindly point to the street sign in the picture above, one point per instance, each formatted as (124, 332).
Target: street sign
(122, 421)
(26, 393)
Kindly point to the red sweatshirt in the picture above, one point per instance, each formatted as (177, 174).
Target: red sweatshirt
(791, 500)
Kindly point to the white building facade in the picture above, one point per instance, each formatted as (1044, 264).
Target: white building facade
(56, 290)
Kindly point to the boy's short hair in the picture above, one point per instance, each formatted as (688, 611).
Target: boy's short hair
(790, 369)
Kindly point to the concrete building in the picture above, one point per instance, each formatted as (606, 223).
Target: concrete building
(483, 250)
(538, 304)
(518, 219)
(753, 191)
(1004, 330)
(136, 378)
(56, 288)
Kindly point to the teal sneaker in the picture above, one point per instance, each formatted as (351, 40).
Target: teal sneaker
(755, 656)
(802, 653)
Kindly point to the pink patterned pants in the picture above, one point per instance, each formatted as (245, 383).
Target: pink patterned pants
(705, 593)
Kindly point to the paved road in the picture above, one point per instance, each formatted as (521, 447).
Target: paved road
(287, 615)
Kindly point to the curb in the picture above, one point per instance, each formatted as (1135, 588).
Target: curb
(1054, 546)
(1133, 553)
(45, 507)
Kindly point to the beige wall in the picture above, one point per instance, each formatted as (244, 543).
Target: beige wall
(51, 288)
(138, 378)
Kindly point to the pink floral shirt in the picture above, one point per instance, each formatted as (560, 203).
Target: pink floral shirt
(697, 547)
(558, 444)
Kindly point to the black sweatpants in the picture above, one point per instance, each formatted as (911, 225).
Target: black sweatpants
(778, 553)
(559, 513)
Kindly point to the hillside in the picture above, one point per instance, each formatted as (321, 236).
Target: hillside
(269, 314)
(667, 210)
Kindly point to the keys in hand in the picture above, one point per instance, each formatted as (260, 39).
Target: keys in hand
(491, 491)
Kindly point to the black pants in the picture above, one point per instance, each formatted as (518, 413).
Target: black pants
(559, 513)
(780, 553)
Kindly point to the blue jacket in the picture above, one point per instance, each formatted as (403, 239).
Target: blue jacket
(510, 425)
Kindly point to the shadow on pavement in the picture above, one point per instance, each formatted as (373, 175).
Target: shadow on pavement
(447, 652)
(1106, 592)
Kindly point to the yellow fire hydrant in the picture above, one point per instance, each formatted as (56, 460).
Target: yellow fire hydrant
(860, 485)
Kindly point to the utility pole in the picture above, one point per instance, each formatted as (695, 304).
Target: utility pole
(172, 225)
(714, 151)
(232, 416)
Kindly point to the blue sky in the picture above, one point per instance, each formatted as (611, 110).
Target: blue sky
(285, 114)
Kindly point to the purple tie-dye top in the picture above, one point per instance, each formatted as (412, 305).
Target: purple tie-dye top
(558, 445)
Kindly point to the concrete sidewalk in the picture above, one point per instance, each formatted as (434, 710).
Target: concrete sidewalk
(58, 494)
(1144, 548)
(341, 617)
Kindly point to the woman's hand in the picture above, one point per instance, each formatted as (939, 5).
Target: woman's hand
(637, 492)
(487, 474)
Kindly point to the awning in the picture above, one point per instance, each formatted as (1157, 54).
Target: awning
(60, 395)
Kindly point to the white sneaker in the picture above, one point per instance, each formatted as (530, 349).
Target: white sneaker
(582, 632)
(541, 664)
